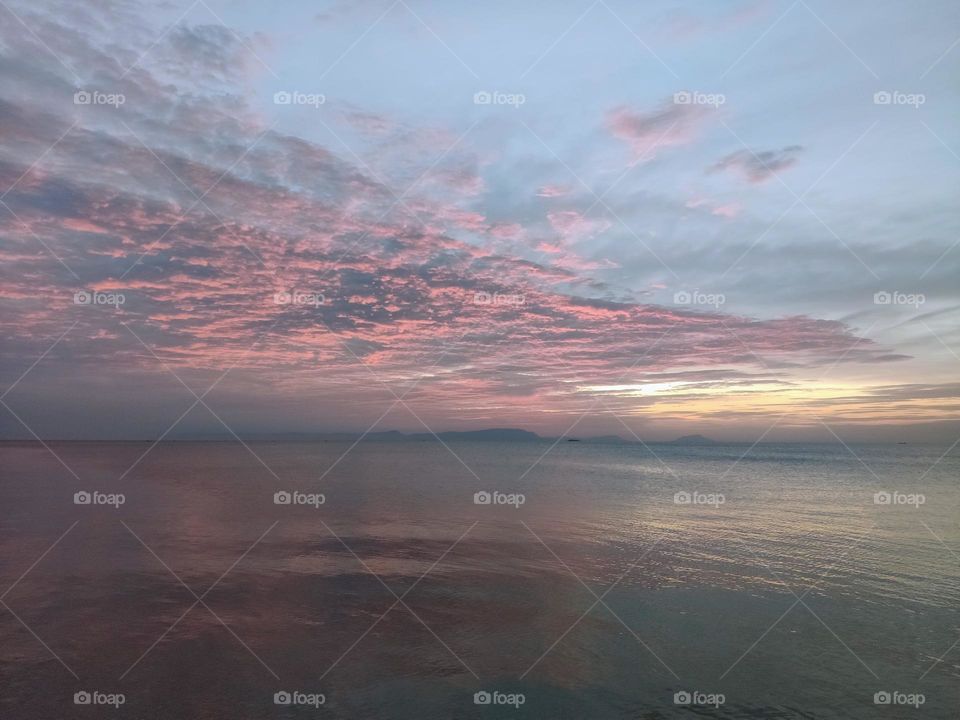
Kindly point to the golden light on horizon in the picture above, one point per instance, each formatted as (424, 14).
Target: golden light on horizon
(813, 400)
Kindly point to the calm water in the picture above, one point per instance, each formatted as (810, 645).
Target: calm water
(695, 597)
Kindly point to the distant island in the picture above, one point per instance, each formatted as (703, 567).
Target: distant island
(693, 440)
(487, 435)
(499, 434)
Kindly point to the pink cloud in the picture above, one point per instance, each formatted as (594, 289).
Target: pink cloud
(552, 191)
(730, 210)
(726, 210)
(507, 231)
(297, 217)
(647, 133)
(573, 227)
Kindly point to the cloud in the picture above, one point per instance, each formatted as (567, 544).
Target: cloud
(381, 283)
(573, 227)
(552, 191)
(684, 25)
(647, 133)
(729, 210)
(368, 122)
(725, 210)
(758, 167)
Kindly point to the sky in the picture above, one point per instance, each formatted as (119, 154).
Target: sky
(647, 219)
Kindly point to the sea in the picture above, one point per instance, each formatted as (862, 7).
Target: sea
(432, 579)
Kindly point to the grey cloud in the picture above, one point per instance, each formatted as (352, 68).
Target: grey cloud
(758, 166)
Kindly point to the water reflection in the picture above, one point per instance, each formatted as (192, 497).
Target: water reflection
(315, 600)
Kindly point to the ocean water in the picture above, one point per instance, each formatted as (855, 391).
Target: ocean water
(786, 588)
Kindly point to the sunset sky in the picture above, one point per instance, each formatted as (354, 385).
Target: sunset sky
(654, 218)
